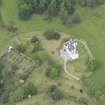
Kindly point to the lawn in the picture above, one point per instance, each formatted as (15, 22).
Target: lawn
(91, 28)
(42, 82)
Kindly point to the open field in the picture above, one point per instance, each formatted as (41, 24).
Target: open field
(38, 77)
(26, 66)
(91, 29)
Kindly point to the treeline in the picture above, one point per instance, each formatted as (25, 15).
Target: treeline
(91, 3)
(51, 8)
(1, 18)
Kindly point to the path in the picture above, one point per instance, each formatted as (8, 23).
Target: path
(69, 74)
(86, 47)
(66, 59)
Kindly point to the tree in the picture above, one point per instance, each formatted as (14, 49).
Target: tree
(22, 92)
(54, 93)
(47, 16)
(91, 3)
(70, 6)
(64, 16)
(53, 70)
(82, 2)
(17, 95)
(52, 8)
(34, 5)
(42, 6)
(21, 48)
(36, 47)
(51, 35)
(29, 88)
(82, 101)
(25, 12)
(34, 39)
(54, 74)
(1, 1)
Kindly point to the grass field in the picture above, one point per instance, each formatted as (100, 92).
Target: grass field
(91, 28)
(37, 74)
(38, 77)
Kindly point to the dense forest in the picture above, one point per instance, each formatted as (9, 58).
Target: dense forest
(65, 9)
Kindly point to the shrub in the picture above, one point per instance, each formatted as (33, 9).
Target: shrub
(54, 93)
(22, 92)
(36, 47)
(1, 66)
(82, 101)
(29, 89)
(34, 39)
(11, 27)
(54, 74)
(47, 17)
(53, 70)
(50, 34)
(91, 3)
(24, 12)
(21, 48)
(17, 95)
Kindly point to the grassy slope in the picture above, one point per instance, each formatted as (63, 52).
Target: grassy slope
(91, 29)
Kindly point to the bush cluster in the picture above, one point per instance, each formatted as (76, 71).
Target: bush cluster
(50, 35)
(55, 94)
(53, 7)
(34, 39)
(22, 92)
(53, 71)
(20, 48)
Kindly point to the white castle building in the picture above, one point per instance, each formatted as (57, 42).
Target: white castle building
(70, 49)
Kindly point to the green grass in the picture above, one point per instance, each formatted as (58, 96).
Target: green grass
(92, 29)
(5, 37)
(38, 74)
